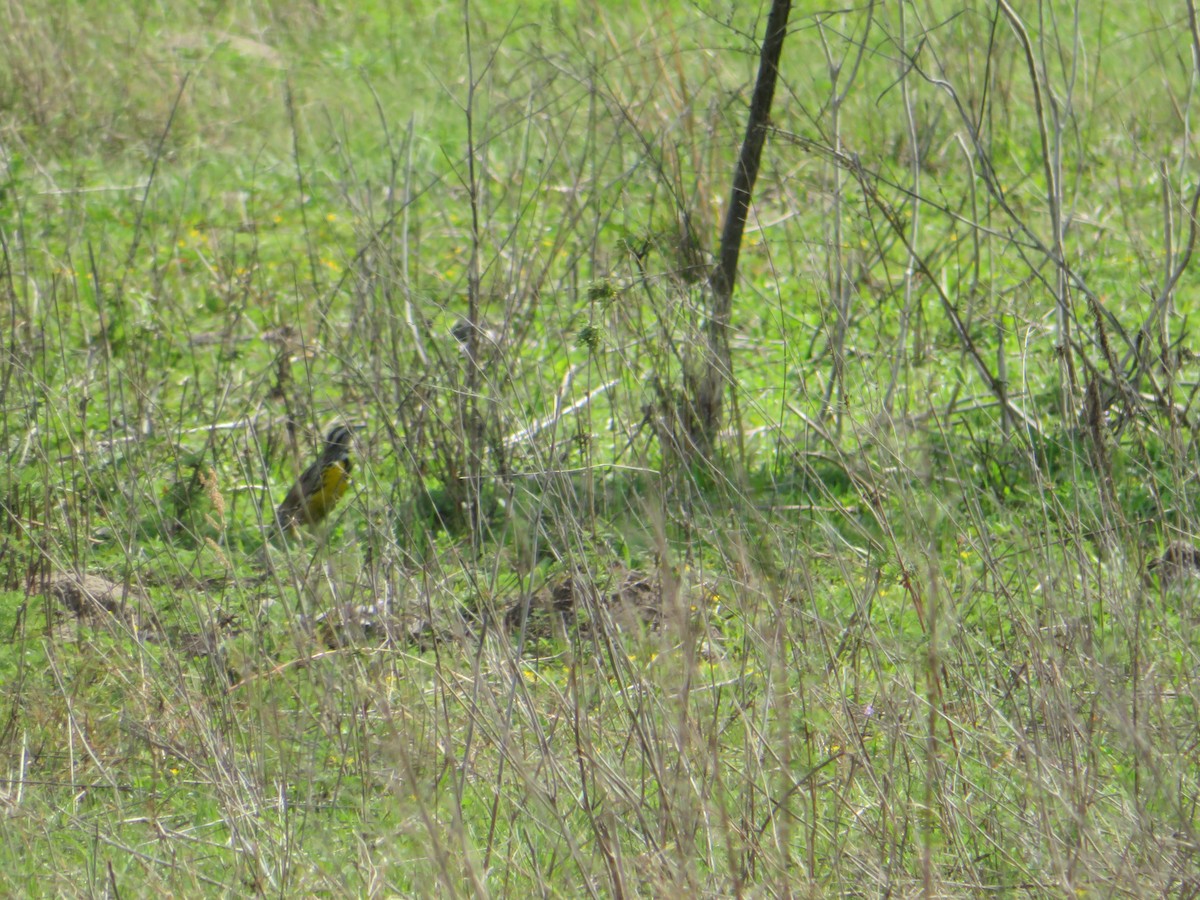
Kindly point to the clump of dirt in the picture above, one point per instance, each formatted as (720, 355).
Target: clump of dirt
(92, 595)
(378, 625)
(630, 599)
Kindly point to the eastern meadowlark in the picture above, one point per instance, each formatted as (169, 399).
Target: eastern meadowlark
(320, 486)
(485, 336)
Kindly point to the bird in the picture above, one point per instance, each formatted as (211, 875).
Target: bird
(1179, 562)
(485, 335)
(320, 486)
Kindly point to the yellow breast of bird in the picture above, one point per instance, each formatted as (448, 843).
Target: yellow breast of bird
(334, 482)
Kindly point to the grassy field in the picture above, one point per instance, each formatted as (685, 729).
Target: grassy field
(898, 634)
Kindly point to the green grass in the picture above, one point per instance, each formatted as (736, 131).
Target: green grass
(885, 640)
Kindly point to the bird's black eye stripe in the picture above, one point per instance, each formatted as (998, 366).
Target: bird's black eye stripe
(339, 436)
